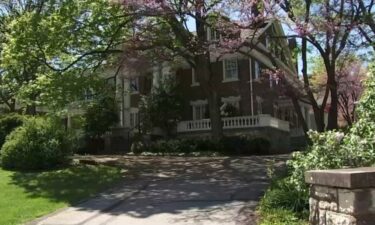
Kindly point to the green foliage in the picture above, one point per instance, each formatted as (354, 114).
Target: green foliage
(37, 193)
(225, 146)
(329, 150)
(332, 149)
(40, 143)
(283, 195)
(8, 123)
(162, 108)
(280, 217)
(100, 116)
(50, 50)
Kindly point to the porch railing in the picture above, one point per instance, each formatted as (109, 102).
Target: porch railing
(239, 122)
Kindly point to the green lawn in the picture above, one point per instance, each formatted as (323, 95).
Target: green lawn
(28, 195)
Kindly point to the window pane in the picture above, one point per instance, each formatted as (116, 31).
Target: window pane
(231, 69)
(134, 84)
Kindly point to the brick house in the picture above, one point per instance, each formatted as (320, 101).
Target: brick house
(260, 109)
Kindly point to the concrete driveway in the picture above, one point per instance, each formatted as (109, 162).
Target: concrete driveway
(176, 190)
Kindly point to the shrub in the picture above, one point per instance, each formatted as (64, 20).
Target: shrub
(225, 146)
(162, 108)
(8, 123)
(283, 195)
(100, 116)
(329, 150)
(40, 143)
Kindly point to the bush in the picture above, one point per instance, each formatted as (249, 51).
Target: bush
(100, 116)
(40, 143)
(283, 195)
(8, 123)
(226, 146)
(329, 150)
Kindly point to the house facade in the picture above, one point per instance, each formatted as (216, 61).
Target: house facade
(257, 107)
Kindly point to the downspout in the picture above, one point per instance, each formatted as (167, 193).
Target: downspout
(251, 88)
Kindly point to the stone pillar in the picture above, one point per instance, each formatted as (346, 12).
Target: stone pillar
(342, 197)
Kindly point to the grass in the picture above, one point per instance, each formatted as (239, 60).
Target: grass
(283, 204)
(27, 195)
(280, 217)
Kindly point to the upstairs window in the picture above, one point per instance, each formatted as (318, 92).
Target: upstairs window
(230, 69)
(134, 85)
(256, 70)
(194, 81)
(212, 34)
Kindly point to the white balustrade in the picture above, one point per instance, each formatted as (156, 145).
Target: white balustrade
(234, 123)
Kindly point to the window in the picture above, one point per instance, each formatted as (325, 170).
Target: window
(230, 70)
(212, 34)
(230, 106)
(134, 118)
(111, 81)
(232, 100)
(134, 85)
(89, 94)
(267, 42)
(199, 112)
(199, 109)
(194, 81)
(256, 70)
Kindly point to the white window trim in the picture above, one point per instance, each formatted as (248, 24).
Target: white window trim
(231, 99)
(194, 81)
(199, 102)
(224, 72)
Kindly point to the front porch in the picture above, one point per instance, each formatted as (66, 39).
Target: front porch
(265, 126)
(240, 122)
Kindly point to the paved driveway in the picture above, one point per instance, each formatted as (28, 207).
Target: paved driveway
(176, 190)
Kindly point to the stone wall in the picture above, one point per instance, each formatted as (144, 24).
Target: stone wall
(342, 197)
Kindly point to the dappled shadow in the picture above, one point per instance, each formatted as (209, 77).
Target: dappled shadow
(189, 190)
(65, 185)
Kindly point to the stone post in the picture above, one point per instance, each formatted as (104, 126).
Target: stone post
(342, 196)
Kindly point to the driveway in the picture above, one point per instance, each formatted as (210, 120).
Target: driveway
(175, 190)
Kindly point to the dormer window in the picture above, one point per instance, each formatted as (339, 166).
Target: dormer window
(212, 34)
(256, 70)
(267, 42)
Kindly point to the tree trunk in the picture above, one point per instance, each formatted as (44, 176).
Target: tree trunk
(318, 112)
(333, 112)
(214, 110)
(205, 78)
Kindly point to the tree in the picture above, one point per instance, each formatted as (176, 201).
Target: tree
(50, 48)
(350, 72)
(326, 26)
(162, 27)
(163, 107)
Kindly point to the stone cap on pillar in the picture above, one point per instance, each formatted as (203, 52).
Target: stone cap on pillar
(343, 178)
